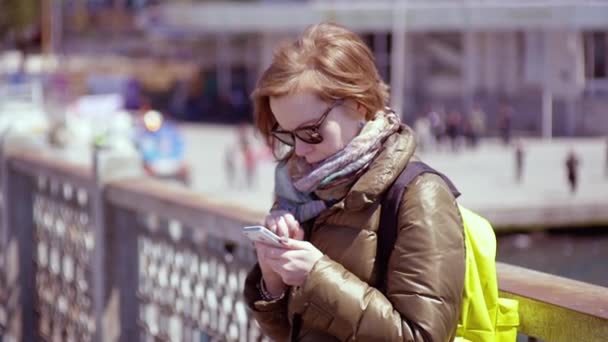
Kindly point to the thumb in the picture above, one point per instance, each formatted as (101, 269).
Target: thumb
(295, 244)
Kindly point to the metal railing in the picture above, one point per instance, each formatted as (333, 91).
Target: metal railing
(86, 258)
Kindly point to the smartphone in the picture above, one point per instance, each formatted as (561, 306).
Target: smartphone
(263, 235)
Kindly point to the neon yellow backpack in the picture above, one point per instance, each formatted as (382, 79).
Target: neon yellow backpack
(484, 316)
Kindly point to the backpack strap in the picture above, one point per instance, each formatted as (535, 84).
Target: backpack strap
(387, 231)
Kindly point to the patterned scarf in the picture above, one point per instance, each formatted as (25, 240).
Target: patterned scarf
(295, 193)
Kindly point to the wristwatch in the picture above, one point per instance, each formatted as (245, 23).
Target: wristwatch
(267, 295)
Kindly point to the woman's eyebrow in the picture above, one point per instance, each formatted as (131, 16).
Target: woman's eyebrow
(303, 124)
(311, 121)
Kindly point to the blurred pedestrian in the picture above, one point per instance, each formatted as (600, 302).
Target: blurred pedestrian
(230, 165)
(572, 164)
(248, 155)
(437, 126)
(251, 165)
(467, 132)
(505, 116)
(424, 135)
(477, 125)
(453, 128)
(519, 161)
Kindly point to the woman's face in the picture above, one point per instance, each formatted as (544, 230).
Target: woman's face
(341, 125)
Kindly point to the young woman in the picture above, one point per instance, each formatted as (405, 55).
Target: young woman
(321, 106)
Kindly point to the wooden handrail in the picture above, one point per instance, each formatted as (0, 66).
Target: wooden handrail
(176, 202)
(554, 308)
(35, 163)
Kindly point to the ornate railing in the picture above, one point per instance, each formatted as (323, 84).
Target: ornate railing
(192, 262)
(85, 257)
(50, 260)
(63, 246)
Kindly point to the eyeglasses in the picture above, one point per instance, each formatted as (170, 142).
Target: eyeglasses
(309, 133)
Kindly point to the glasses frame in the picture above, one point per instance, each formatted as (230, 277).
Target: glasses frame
(276, 132)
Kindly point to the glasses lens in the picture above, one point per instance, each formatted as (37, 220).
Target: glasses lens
(284, 137)
(309, 136)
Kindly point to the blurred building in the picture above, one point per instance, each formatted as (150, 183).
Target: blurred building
(547, 59)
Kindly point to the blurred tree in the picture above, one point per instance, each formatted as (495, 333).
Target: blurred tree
(20, 23)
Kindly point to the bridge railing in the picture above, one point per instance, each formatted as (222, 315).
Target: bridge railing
(86, 257)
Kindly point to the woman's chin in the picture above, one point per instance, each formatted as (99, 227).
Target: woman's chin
(310, 160)
(313, 160)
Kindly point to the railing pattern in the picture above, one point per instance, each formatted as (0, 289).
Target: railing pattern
(190, 285)
(63, 251)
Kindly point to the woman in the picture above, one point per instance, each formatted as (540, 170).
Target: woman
(322, 103)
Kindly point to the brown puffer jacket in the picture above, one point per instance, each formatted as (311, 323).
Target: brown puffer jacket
(425, 278)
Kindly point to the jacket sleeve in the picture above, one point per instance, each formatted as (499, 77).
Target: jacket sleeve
(270, 315)
(425, 277)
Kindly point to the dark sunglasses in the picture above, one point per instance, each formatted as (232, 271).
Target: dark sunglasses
(308, 134)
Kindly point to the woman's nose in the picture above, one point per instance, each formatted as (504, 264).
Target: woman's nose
(302, 148)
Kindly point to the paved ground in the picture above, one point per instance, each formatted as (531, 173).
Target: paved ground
(485, 177)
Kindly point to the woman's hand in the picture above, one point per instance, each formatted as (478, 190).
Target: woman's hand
(292, 263)
(282, 223)
(273, 281)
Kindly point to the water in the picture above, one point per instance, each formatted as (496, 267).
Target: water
(579, 254)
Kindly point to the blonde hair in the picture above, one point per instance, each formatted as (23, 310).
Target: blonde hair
(327, 59)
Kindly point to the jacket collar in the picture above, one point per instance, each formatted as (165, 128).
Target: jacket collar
(384, 170)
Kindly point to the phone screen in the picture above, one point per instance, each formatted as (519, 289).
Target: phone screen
(263, 235)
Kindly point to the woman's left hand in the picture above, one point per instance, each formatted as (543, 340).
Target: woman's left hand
(294, 262)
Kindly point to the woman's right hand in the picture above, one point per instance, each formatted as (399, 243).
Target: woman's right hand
(282, 223)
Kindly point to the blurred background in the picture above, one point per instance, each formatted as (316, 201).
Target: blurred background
(509, 99)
